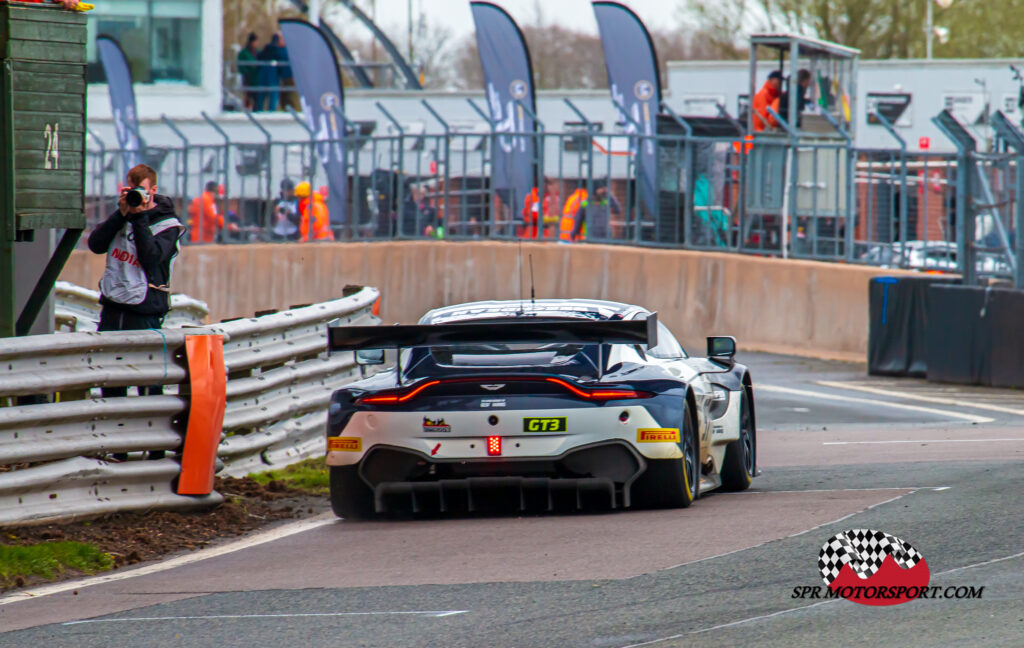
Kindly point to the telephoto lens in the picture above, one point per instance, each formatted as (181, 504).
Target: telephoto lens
(136, 197)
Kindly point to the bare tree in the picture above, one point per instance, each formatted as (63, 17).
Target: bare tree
(879, 28)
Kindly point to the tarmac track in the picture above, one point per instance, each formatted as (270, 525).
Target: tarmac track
(938, 465)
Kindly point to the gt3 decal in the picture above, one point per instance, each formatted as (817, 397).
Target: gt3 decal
(492, 402)
(548, 424)
(435, 426)
(657, 435)
(344, 444)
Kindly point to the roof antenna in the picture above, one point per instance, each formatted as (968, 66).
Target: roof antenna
(521, 309)
(533, 300)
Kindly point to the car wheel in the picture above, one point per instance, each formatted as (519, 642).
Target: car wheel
(741, 455)
(351, 498)
(672, 483)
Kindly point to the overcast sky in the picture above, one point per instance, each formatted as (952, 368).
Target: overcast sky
(455, 14)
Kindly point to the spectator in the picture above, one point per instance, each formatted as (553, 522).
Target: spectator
(537, 215)
(272, 54)
(434, 227)
(288, 96)
(312, 207)
(768, 95)
(286, 213)
(250, 71)
(571, 227)
(204, 220)
(139, 243)
(598, 211)
(803, 83)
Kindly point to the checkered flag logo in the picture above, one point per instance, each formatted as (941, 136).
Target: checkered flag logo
(864, 550)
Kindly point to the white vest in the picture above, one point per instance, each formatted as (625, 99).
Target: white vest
(124, 281)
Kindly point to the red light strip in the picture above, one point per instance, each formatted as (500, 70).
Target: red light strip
(596, 394)
(391, 399)
(592, 395)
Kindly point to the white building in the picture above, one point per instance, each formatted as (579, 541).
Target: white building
(963, 85)
(173, 49)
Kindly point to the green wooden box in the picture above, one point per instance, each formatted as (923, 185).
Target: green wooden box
(42, 118)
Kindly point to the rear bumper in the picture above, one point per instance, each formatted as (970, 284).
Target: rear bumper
(461, 435)
(594, 476)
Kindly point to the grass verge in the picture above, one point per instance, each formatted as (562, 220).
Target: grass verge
(309, 475)
(47, 560)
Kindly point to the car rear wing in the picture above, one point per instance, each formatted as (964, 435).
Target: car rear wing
(504, 331)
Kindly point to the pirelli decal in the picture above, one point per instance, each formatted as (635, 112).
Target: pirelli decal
(344, 444)
(657, 435)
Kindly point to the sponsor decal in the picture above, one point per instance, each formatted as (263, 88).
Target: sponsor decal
(719, 430)
(657, 435)
(435, 426)
(344, 444)
(545, 424)
(125, 256)
(492, 402)
(643, 90)
(874, 568)
(518, 89)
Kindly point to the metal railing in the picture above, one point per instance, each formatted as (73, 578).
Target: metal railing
(778, 194)
(78, 309)
(67, 451)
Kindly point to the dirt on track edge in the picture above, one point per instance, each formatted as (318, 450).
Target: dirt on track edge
(134, 537)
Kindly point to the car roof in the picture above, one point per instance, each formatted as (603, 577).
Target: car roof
(547, 308)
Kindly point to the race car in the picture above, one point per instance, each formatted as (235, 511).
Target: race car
(548, 404)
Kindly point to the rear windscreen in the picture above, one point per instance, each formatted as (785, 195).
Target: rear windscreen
(580, 359)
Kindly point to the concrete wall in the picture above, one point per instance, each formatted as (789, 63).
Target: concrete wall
(799, 307)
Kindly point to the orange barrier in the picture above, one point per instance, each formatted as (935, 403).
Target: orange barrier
(208, 382)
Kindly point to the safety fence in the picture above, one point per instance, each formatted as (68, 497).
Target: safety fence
(78, 309)
(75, 441)
(783, 193)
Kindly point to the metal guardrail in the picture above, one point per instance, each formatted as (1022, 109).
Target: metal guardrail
(67, 452)
(78, 309)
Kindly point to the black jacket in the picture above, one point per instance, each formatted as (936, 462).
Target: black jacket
(154, 252)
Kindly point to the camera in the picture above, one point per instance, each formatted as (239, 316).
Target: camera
(136, 196)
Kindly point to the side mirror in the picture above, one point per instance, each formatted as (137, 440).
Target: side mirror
(370, 357)
(721, 347)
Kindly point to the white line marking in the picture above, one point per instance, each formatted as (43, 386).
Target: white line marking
(252, 541)
(436, 615)
(981, 564)
(834, 490)
(918, 441)
(923, 399)
(812, 605)
(874, 403)
(911, 491)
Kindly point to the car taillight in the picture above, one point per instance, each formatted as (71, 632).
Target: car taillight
(494, 446)
(600, 394)
(394, 399)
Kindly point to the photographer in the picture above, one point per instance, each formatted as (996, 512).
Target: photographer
(140, 241)
(286, 213)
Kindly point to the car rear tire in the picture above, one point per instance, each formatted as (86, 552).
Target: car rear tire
(740, 463)
(351, 498)
(672, 483)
